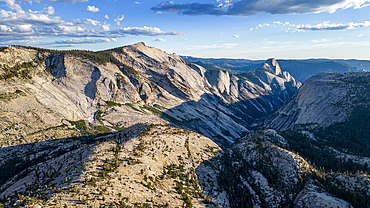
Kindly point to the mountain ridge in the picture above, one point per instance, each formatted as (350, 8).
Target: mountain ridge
(120, 87)
(301, 69)
(111, 128)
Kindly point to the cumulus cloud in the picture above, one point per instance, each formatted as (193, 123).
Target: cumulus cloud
(119, 19)
(328, 26)
(92, 9)
(49, 10)
(253, 7)
(265, 25)
(106, 16)
(19, 26)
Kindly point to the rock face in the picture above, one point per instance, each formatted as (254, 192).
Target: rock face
(323, 100)
(272, 66)
(140, 166)
(134, 91)
(44, 93)
(314, 196)
(255, 172)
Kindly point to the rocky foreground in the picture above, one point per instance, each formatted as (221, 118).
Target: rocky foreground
(159, 165)
(141, 166)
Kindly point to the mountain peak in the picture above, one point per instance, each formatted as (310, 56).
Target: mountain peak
(272, 66)
(140, 44)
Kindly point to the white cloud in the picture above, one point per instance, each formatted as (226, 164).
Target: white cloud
(13, 6)
(263, 25)
(119, 19)
(49, 10)
(17, 27)
(92, 9)
(235, 36)
(159, 40)
(321, 40)
(105, 27)
(92, 22)
(136, 2)
(148, 31)
(86, 41)
(360, 35)
(106, 16)
(22, 28)
(328, 26)
(186, 39)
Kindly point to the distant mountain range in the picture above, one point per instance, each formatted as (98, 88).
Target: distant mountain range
(300, 69)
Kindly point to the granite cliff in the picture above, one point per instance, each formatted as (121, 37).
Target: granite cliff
(110, 129)
(47, 94)
(323, 100)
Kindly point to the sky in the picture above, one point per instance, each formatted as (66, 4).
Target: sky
(250, 29)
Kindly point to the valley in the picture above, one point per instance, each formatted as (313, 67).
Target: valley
(134, 126)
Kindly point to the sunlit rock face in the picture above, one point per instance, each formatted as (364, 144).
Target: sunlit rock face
(128, 85)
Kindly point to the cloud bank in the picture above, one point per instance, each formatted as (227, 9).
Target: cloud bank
(253, 7)
(19, 26)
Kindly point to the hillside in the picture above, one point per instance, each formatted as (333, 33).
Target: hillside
(141, 166)
(164, 166)
(136, 127)
(323, 100)
(261, 170)
(329, 118)
(46, 94)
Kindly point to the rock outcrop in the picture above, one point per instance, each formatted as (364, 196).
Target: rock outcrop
(43, 93)
(323, 100)
(140, 166)
(272, 66)
(255, 172)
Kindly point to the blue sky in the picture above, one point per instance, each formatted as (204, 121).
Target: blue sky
(251, 29)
